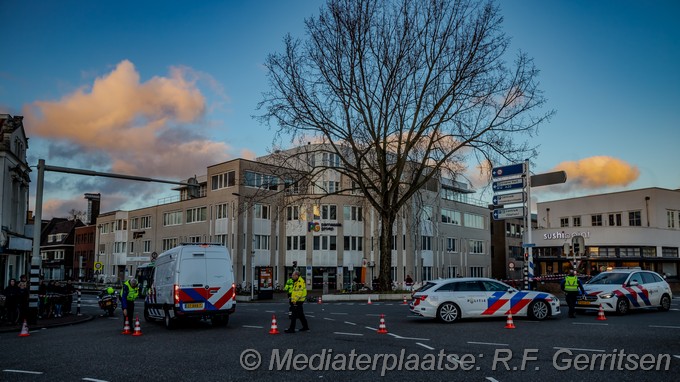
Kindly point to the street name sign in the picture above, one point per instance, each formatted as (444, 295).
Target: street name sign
(508, 184)
(506, 213)
(503, 199)
(513, 169)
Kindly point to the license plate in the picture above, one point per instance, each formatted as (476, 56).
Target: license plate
(193, 306)
(582, 302)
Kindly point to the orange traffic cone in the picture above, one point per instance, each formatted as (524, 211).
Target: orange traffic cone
(318, 301)
(509, 324)
(138, 329)
(382, 329)
(275, 328)
(405, 302)
(600, 314)
(24, 330)
(126, 327)
(369, 300)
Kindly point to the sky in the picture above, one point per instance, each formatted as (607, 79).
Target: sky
(164, 89)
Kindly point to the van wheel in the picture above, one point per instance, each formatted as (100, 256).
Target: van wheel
(220, 320)
(147, 317)
(169, 321)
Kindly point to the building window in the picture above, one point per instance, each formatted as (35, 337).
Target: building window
(222, 239)
(476, 247)
(169, 243)
(331, 187)
(172, 218)
(296, 243)
(145, 222)
(426, 243)
(224, 180)
(426, 213)
(134, 223)
(671, 219)
(564, 222)
(198, 214)
(330, 159)
(353, 243)
(427, 273)
(476, 271)
(614, 220)
(474, 221)
(293, 213)
(669, 251)
(261, 242)
(452, 272)
(222, 211)
(329, 212)
(147, 246)
(257, 180)
(194, 239)
(629, 252)
(352, 213)
(119, 247)
(451, 244)
(58, 255)
(450, 217)
(576, 220)
(120, 225)
(634, 219)
(596, 220)
(261, 211)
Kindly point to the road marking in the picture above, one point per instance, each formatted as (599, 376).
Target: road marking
(309, 315)
(578, 349)
(22, 371)
(270, 311)
(664, 327)
(407, 338)
(370, 328)
(329, 319)
(348, 334)
(425, 346)
(491, 379)
(341, 313)
(94, 380)
(588, 323)
(487, 343)
(350, 323)
(253, 326)
(373, 315)
(676, 356)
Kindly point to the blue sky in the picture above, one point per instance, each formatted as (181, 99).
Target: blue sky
(166, 88)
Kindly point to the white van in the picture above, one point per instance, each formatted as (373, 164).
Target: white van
(192, 281)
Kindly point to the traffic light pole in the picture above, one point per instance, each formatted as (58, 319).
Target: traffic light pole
(529, 270)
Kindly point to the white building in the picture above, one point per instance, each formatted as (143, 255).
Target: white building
(638, 228)
(15, 235)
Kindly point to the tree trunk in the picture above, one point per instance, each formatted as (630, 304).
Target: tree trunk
(385, 277)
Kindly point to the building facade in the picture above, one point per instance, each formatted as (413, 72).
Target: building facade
(331, 237)
(507, 253)
(16, 236)
(637, 228)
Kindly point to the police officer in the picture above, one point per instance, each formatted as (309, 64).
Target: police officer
(297, 298)
(128, 295)
(571, 286)
(289, 290)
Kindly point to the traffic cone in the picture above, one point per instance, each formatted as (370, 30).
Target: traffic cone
(405, 302)
(275, 328)
(509, 324)
(24, 330)
(369, 300)
(126, 327)
(382, 329)
(138, 329)
(318, 301)
(600, 314)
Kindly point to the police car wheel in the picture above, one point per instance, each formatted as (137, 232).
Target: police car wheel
(621, 306)
(448, 312)
(539, 310)
(665, 303)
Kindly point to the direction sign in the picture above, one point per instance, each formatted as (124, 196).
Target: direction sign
(502, 199)
(506, 213)
(508, 184)
(548, 178)
(513, 169)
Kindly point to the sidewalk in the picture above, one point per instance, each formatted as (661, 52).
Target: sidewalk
(44, 323)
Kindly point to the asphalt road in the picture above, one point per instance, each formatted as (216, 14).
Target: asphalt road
(343, 344)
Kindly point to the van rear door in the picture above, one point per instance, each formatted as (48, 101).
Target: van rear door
(203, 280)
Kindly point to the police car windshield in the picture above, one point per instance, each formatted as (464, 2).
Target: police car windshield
(609, 278)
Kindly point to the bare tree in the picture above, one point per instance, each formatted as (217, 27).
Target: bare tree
(404, 91)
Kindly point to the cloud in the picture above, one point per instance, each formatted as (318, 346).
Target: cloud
(152, 128)
(598, 172)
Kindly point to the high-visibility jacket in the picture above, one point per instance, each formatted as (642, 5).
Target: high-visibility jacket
(289, 286)
(128, 292)
(571, 284)
(299, 292)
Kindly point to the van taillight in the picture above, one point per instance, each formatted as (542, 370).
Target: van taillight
(233, 290)
(176, 293)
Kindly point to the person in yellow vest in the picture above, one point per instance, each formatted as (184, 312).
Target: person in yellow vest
(571, 286)
(128, 295)
(297, 298)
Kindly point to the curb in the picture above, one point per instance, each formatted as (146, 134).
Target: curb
(46, 325)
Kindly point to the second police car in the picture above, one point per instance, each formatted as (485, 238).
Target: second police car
(452, 299)
(622, 289)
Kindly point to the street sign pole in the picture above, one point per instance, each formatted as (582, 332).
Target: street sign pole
(527, 215)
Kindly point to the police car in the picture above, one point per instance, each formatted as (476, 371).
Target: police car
(622, 289)
(450, 300)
